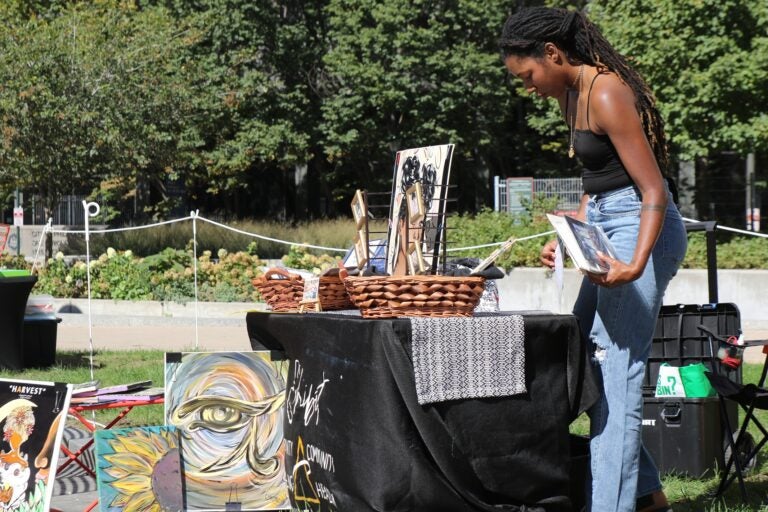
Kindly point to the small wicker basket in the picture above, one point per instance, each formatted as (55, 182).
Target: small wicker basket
(283, 291)
(434, 296)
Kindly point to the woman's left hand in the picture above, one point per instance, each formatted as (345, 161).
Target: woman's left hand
(618, 272)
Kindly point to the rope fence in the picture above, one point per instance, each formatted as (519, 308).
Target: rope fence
(92, 209)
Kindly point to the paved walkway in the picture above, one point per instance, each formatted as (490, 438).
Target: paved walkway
(153, 334)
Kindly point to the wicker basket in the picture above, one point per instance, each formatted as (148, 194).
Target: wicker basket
(436, 296)
(283, 291)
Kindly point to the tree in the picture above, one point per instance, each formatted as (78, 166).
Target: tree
(707, 62)
(94, 96)
(259, 114)
(404, 74)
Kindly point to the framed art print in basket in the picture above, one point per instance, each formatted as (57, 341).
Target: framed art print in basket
(429, 167)
(415, 203)
(361, 251)
(359, 208)
(416, 263)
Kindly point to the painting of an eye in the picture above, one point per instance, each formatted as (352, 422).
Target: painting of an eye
(214, 413)
(227, 407)
(223, 416)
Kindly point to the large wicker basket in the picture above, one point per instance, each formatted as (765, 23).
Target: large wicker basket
(435, 296)
(283, 291)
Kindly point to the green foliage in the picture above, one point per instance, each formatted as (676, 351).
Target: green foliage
(489, 226)
(301, 258)
(732, 252)
(93, 98)
(8, 260)
(403, 74)
(257, 107)
(126, 96)
(166, 276)
(709, 74)
(229, 277)
(335, 233)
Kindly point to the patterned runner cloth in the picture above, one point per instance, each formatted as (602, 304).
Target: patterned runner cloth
(468, 357)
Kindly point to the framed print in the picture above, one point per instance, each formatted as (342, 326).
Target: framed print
(362, 235)
(416, 264)
(430, 167)
(361, 251)
(154, 475)
(415, 203)
(359, 208)
(311, 288)
(504, 247)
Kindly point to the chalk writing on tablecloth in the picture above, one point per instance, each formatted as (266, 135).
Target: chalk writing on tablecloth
(307, 492)
(303, 396)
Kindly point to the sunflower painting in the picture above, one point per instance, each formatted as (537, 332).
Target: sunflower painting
(139, 469)
(228, 407)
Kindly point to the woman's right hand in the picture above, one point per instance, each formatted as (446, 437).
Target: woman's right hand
(547, 256)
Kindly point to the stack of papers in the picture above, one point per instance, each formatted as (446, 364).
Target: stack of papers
(134, 391)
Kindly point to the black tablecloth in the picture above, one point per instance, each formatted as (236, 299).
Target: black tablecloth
(14, 292)
(357, 440)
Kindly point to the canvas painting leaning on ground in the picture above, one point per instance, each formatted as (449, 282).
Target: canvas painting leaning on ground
(228, 407)
(139, 469)
(32, 417)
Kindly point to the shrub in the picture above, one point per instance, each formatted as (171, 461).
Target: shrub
(167, 276)
(301, 258)
(489, 226)
(225, 274)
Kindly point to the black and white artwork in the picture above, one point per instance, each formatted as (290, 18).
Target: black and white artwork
(430, 166)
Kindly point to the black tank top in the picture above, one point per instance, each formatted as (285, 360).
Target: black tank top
(603, 170)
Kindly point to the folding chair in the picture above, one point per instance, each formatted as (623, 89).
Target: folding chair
(742, 448)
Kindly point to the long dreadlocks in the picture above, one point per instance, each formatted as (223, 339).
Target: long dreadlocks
(526, 32)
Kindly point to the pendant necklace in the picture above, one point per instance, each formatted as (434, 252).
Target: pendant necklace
(572, 124)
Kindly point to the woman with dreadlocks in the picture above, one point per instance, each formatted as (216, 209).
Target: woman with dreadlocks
(617, 133)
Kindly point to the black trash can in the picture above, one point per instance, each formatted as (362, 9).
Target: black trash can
(40, 340)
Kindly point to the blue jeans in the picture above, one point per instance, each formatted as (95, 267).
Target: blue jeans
(620, 322)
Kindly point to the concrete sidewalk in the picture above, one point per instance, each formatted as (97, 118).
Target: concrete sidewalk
(152, 325)
(138, 333)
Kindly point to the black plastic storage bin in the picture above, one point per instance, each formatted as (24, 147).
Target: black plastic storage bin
(678, 341)
(685, 435)
(40, 341)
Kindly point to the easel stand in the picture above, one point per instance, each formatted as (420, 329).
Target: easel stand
(309, 305)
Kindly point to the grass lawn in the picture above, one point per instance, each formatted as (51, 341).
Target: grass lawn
(121, 366)
(110, 367)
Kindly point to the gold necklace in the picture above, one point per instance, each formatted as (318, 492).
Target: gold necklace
(572, 124)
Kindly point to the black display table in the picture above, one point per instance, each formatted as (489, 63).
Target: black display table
(357, 439)
(14, 292)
